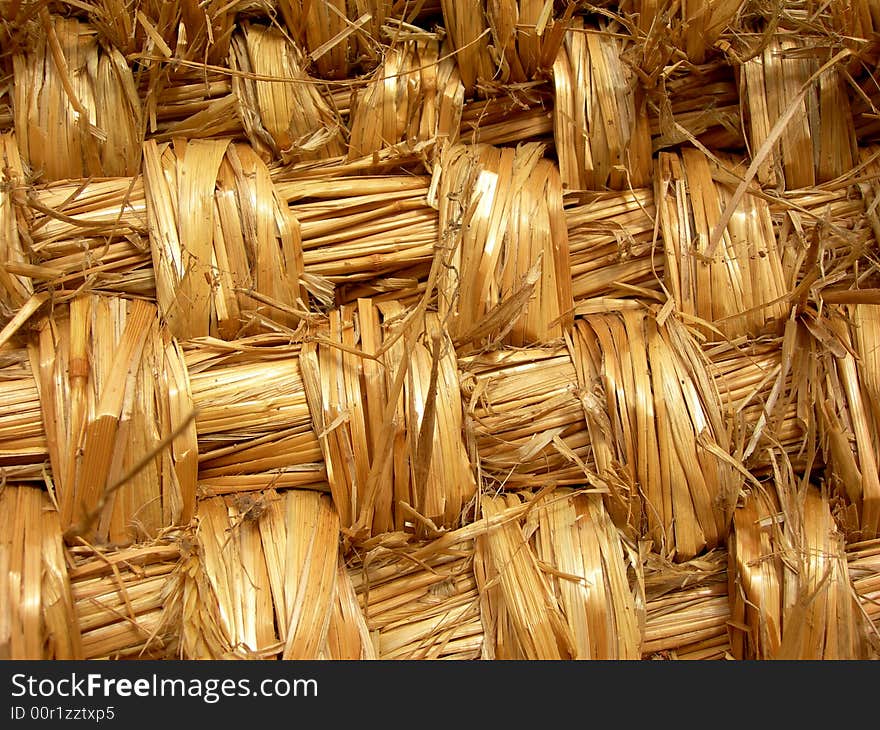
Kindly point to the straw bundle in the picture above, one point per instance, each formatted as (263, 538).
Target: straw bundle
(114, 397)
(503, 43)
(226, 251)
(36, 606)
(267, 582)
(506, 272)
(696, 102)
(365, 236)
(420, 601)
(601, 129)
(613, 248)
(792, 597)
(737, 287)
(525, 418)
(123, 599)
(15, 282)
(687, 29)
(286, 116)
(656, 431)
(687, 608)
(863, 564)
(24, 452)
(252, 419)
(849, 416)
(384, 398)
(77, 111)
(90, 237)
(818, 141)
(413, 97)
(523, 114)
(324, 31)
(764, 386)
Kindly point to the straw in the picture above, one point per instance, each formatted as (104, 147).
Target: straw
(600, 125)
(506, 275)
(286, 117)
(72, 124)
(15, 288)
(36, 611)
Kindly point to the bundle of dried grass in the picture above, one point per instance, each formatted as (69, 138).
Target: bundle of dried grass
(117, 416)
(863, 564)
(696, 102)
(226, 250)
(283, 110)
(736, 288)
(525, 419)
(124, 599)
(686, 30)
(90, 237)
(790, 588)
(522, 616)
(656, 430)
(614, 249)
(848, 414)
(24, 452)
(686, 608)
(191, 103)
(503, 43)
(252, 418)
(384, 395)
(323, 30)
(77, 110)
(818, 142)
(420, 601)
(367, 236)
(521, 113)
(267, 582)
(16, 285)
(581, 551)
(415, 95)
(37, 619)
(601, 128)
(506, 274)
(766, 401)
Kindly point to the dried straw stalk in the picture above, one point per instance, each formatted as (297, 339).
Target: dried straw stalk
(284, 112)
(863, 564)
(324, 31)
(386, 405)
(737, 289)
(117, 416)
(525, 419)
(37, 619)
(184, 102)
(252, 418)
(77, 111)
(226, 250)
(506, 273)
(818, 143)
(790, 587)
(657, 431)
(601, 126)
(412, 97)
(124, 599)
(267, 582)
(366, 236)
